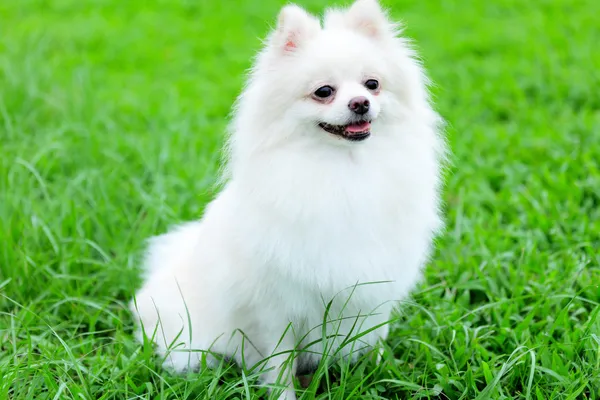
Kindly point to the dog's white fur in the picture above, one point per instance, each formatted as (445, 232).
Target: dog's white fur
(305, 217)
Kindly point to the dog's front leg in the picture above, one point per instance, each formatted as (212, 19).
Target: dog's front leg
(280, 368)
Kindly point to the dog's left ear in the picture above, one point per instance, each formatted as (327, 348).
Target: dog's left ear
(294, 27)
(367, 17)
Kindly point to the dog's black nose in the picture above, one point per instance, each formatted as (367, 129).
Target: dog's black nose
(359, 105)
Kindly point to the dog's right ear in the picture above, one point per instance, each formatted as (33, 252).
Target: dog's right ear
(294, 27)
(364, 16)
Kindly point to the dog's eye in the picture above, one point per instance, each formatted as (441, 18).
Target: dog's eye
(324, 92)
(372, 84)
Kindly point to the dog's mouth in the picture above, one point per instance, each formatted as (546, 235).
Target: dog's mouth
(354, 131)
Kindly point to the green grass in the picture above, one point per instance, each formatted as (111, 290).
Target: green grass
(111, 119)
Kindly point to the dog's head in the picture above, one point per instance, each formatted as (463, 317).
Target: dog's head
(342, 82)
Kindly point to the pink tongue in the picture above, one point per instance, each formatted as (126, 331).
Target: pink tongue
(358, 127)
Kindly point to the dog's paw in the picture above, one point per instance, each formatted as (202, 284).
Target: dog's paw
(182, 362)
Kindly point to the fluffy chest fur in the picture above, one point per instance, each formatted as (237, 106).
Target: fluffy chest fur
(330, 218)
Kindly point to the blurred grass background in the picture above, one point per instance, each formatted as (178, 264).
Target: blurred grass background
(111, 120)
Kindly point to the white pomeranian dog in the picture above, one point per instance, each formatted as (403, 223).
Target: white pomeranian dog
(328, 212)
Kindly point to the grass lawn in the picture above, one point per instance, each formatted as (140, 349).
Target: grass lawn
(111, 119)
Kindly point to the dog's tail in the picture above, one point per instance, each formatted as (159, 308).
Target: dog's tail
(172, 248)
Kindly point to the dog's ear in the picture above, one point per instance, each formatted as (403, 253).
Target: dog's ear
(367, 17)
(294, 27)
